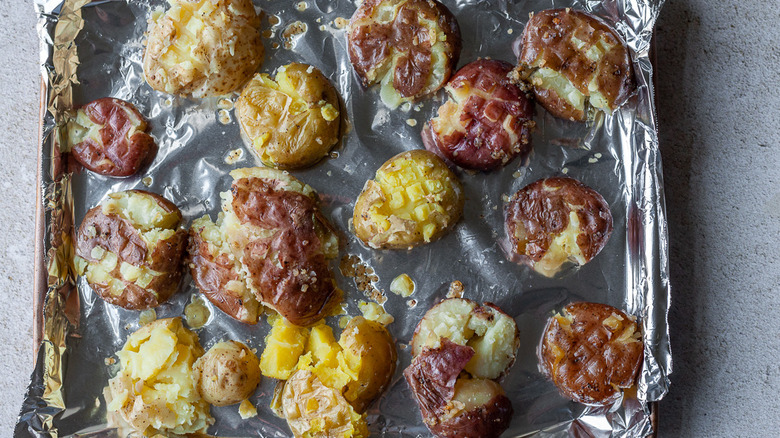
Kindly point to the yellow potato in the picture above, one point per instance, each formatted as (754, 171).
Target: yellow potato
(202, 47)
(291, 121)
(369, 349)
(227, 374)
(414, 199)
(154, 391)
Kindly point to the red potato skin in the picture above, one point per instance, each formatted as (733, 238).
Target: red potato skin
(548, 35)
(594, 366)
(258, 202)
(115, 154)
(117, 235)
(544, 214)
(487, 421)
(370, 44)
(211, 275)
(494, 106)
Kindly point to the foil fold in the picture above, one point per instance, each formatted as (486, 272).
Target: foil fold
(93, 49)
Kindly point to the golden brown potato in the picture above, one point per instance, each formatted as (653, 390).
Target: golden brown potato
(107, 136)
(130, 249)
(369, 349)
(291, 121)
(202, 48)
(316, 411)
(154, 391)
(227, 374)
(591, 352)
(487, 120)
(573, 61)
(270, 240)
(554, 221)
(459, 350)
(414, 199)
(410, 46)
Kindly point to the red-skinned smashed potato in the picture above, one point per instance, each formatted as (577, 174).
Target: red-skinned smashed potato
(130, 249)
(409, 46)
(107, 136)
(573, 61)
(202, 48)
(591, 352)
(459, 351)
(270, 246)
(486, 122)
(554, 221)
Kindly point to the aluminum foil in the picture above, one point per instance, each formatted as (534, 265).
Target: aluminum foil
(94, 49)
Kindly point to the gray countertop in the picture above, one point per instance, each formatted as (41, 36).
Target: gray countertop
(719, 114)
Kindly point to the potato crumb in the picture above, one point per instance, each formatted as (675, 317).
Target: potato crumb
(148, 316)
(456, 290)
(340, 22)
(234, 156)
(224, 117)
(343, 321)
(597, 155)
(510, 31)
(301, 6)
(147, 181)
(109, 361)
(225, 104)
(412, 304)
(411, 122)
(273, 20)
(247, 410)
(565, 170)
(375, 312)
(293, 31)
(593, 160)
(402, 285)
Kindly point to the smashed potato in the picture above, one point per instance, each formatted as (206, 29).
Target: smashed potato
(108, 136)
(130, 249)
(154, 391)
(227, 374)
(414, 199)
(202, 48)
(291, 121)
(554, 221)
(315, 410)
(331, 384)
(487, 120)
(573, 61)
(591, 352)
(409, 46)
(270, 245)
(459, 350)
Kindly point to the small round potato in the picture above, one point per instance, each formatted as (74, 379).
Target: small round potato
(202, 48)
(488, 331)
(369, 344)
(305, 399)
(130, 249)
(459, 350)
(410, 46)
(591, 351)
(271, 243)
(227, 374)
(451, 403)
(107, 136)
(291, 121)
(487, 120)
(554, 221)
(414, 199)
(573, 61)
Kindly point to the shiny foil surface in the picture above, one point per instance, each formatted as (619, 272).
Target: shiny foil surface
(94, 49)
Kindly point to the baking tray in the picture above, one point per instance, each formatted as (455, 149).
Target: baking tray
(50, 163)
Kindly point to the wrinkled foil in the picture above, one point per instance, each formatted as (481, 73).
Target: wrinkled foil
(94, 49)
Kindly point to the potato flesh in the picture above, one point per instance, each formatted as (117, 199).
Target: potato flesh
(315, 410)
(490, 333)
(284, 345)
(410, 195)
(154, 391)
(563, 248)
(143, 210)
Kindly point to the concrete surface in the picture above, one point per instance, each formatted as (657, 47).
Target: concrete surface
(719, 111)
